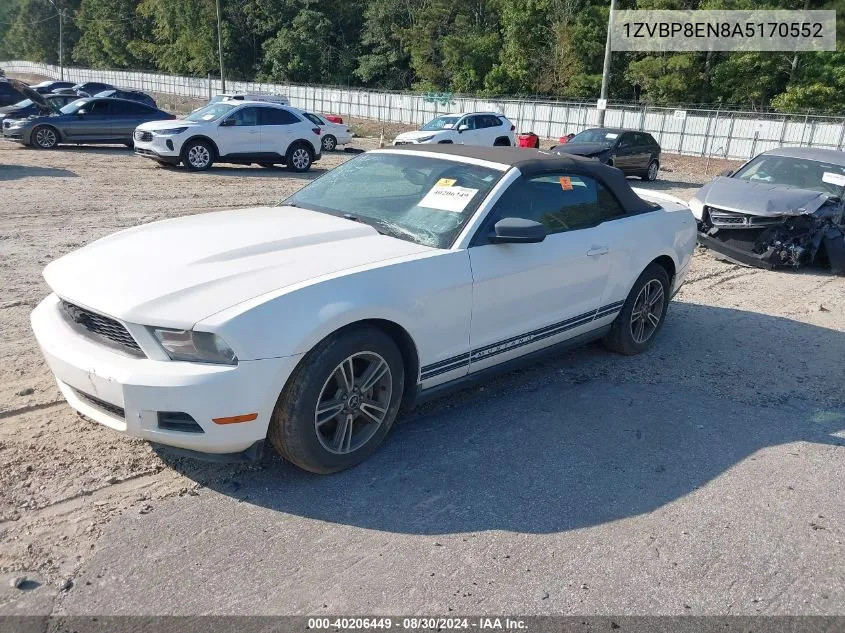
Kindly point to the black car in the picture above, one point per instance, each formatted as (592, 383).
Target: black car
(129, 95)
(28, 107)
(635, 153)
(50, 87)
(90, 88)
(85, 120)
(9, 92)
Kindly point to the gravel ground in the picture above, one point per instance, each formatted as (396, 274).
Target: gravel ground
(756, 355)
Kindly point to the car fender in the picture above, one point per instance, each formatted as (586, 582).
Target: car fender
(429, 295)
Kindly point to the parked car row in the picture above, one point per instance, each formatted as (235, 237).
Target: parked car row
(233, 128)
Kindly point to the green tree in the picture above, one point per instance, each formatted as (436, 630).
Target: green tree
(108, 29)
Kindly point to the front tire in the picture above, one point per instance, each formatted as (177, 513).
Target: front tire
(299, 158)
(197, 155)
(45, 137)
(642, 316)
(329, 143)
(340, 402)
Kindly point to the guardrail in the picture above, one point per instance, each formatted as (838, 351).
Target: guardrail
(698, 132)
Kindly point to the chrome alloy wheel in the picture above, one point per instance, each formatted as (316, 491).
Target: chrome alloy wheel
(46, 138)
(329, 143)
(199, 156)
(647, 312)
(353, 403)
(652, 170)
(300, 158)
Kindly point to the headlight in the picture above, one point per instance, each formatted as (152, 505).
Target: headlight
(196, 347)
(18, 123)
(423, 139)
(169, 132)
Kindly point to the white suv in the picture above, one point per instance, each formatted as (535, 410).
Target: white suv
(469, 128)
(240, 132)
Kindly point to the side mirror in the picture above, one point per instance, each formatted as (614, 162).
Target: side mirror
(81, 112)
(727, 173)
(518, 231)
(227, 122)
(462, 128)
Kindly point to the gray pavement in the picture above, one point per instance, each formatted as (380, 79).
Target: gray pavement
(545, 496)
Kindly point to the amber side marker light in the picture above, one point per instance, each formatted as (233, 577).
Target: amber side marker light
(248, 417)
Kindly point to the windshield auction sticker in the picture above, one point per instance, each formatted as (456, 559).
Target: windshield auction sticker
(788, 31)
(449, 198)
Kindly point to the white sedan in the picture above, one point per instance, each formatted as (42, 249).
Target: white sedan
(332, 134)
(394, 277)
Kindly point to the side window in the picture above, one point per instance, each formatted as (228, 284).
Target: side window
(625, 141)
(244, 117)
(560, 202)
(129, 108)
(98, 107)
(482, 122)
(277, 116)
(469, 121)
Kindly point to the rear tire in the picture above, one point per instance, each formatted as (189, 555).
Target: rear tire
(197, 155)
(44, 137)
(637, 325)
(651, 173)
(299, 158)
(304, 427)
(329, 143)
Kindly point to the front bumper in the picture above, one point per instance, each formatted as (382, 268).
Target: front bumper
(160, 148)
(127, 394)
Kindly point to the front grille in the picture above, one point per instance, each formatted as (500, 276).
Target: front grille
(141, 135)
(101, 327)
(102, 404)
(723, 219)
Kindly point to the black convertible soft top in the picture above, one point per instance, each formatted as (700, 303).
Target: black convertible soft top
(531, 162)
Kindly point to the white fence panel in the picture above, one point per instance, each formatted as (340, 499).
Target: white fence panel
(727, 134)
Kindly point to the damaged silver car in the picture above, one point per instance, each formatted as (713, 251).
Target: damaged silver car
(783, 208)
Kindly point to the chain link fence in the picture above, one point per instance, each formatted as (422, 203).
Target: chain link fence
(728, 134)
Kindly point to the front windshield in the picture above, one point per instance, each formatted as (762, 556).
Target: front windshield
(416, 198)
(794, 172)
(211, 112)
(73, 106)
(440, 123)
(595, 136)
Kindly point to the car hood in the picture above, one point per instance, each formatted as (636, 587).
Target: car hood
(413, 136)
(167, 124)
(759, 198)
(177, 272)
(582, 149)
(29, 93)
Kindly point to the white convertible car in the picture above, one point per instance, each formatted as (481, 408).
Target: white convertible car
(398, 275)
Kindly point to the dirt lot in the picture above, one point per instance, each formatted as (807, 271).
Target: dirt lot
(769, 343)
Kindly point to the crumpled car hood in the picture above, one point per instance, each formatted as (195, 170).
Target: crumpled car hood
(760, 198)
(582, 149)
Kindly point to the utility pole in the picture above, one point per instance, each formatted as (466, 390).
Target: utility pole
(61, 40)
(605, 74)
(220, 49)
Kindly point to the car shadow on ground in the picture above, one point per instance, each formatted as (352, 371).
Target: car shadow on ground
(16, 172)
(547, 450)
(108, 150)
(255, 171)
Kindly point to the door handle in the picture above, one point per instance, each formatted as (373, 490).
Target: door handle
(596, 251)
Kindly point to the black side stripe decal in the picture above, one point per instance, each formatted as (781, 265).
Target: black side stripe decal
(515, 342)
